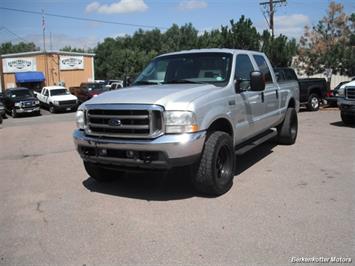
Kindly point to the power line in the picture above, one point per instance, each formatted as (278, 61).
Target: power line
(271, 11)
(81, 18)
(13, 33)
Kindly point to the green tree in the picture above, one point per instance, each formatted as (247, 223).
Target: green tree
(10, 48)
(279, 50)
(240, 35)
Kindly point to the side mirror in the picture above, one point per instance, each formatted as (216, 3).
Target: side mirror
(257, 82)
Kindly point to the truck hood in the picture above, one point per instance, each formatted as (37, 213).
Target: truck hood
(171, 96)
(67, 97)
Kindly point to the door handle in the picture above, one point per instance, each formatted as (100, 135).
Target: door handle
(277, 94)
(262, 97)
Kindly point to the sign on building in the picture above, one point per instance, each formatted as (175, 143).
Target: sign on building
(71, 62)
(14, 65)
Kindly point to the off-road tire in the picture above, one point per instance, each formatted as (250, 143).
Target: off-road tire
(313, 102)
(215, 171)
(347, 119)
(101, 174)
(287, 130)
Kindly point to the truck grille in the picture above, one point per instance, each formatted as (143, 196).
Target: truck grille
(28, 104)
(69, 102)
(350, 93)
(124, 121)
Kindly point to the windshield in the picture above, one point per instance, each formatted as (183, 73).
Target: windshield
(21, 93)
(95, 87)
(212, 68)
(59, 92)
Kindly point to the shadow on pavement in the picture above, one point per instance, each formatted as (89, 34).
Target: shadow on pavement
(149, 186)
(341, 124)
(174, 185)
(243, 162)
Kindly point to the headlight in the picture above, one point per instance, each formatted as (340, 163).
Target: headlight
(36, 102)
(19, 104)
(180, 122)
(341, 92)
(55, 102)
(80, 119)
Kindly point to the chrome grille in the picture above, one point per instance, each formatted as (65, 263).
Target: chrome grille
(124, 121)
(350, 92)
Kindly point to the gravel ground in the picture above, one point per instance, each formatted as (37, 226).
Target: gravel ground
(287, 201)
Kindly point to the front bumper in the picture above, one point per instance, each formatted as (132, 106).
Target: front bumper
(164, 152)
(21, 110)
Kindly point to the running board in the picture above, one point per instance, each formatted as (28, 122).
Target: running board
(241, 149)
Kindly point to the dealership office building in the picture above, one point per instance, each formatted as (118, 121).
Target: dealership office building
(35, 70)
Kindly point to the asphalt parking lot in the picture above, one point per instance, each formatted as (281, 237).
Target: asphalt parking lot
(287, 201)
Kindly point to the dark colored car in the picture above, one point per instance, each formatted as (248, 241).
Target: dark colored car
(87, 90)
(21, 101)
(312, 90)
(332, 95)
(2, 107)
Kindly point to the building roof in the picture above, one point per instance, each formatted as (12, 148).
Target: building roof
(46, 52)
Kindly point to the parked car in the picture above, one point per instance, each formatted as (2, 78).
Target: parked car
(21, 101)
(193, 108)
(57, 98)
(2, 111)
(346, 103)
(87, 90)
(332, 95)
(312, 90)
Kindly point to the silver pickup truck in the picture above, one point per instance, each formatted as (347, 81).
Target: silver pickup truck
(196, 108)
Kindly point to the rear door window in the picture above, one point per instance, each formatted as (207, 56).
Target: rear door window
(263, 67)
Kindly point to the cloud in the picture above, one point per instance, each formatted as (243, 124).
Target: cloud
(192, 4)
(291, 25)
(122, 6)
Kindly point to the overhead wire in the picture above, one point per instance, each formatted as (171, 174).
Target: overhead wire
(81, 18)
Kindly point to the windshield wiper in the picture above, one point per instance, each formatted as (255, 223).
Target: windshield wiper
(145, 82)
(177, 81)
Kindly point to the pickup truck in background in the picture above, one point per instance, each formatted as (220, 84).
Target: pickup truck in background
(87, 90)
(346, 102)
(196, 108)
(57, 98)
(19, 101)
(312, 90)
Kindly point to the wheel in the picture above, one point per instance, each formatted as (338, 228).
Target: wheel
(347, 119)
(13, 113)
(313, 102)
(51, 109)
(287, 130)
(99, 173)
(38, 113)
(0, 119)
(215, 171)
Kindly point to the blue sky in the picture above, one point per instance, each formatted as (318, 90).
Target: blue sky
(203, 14)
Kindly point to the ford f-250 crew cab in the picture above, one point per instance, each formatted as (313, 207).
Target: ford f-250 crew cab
(196, 108)
(346, 103)
(57, 98)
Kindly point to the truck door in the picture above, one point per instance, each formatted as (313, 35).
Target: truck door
(270, 95)
(45, 96)
(249, 104)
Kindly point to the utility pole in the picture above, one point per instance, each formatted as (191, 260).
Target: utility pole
(271, 12)
(44, 49)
